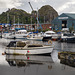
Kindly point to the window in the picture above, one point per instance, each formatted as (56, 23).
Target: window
(64, 24)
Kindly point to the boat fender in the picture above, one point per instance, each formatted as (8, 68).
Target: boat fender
(49, 42)
(27, 35)
(3, 53)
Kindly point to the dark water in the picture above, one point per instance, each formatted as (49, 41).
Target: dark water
(36, 65)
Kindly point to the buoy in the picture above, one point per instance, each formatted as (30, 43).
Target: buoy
(28, 51)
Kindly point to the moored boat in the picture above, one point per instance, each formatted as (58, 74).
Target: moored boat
(67, 37)
(25, 48)
(20, 34)
(50, 35)
(36, 37)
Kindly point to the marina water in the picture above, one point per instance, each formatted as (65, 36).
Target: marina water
(36, 65)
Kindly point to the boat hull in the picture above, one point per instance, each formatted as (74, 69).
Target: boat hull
(36, 51)
(68, 40)
(36, 39)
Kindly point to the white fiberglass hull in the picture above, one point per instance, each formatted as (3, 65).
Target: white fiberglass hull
(15, 36)
(38, 51)
(20, 36)
(39, 39)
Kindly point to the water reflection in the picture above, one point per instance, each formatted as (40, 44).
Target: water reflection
(63, 46)
(26, 61)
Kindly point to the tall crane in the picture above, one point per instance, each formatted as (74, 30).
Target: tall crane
(33, 13)
(31, 6)
(37, 16)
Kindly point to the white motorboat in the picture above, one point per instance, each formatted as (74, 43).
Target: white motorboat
(50, 35)
(7, 35)
(22, 47)
(20, 34)
(67, 37)
(36, 37)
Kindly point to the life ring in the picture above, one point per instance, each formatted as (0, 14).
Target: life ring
(49, 42)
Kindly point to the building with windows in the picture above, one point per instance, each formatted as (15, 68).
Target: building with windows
(64, 21)
(32, 26)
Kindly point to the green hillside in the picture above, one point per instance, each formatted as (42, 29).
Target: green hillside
(46, 14)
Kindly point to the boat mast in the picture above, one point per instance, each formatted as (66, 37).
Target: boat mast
(44, 19)
(14, 22)
(18, 21)
(37, 18)
(7, 18)
(7, 21)
(31, 23)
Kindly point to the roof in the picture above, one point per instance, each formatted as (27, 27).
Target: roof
(5, 24)
(72, 15)
(22, 30)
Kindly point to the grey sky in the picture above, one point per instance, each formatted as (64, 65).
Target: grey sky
(61, 6)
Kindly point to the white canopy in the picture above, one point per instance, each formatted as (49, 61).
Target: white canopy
(49, 32)
(22, 30)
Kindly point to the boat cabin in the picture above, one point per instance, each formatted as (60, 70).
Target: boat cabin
(16, 44)
(22, 44)
(65, 35)
(68, 34)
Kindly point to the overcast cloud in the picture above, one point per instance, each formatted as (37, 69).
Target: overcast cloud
(61, 6)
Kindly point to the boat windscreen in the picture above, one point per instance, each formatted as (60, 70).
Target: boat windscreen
(69, 34)
(21, 44)
(12, 44)
(35, 45)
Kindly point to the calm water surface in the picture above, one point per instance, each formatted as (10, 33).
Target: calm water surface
(35, 65)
